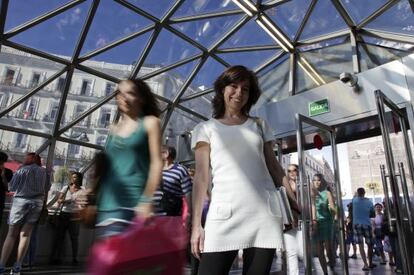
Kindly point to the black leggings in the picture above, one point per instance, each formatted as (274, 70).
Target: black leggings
(256, 261)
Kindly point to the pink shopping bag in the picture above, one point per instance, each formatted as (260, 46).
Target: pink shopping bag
(155, 248)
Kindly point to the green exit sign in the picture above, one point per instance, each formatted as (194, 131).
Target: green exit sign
(319, 107)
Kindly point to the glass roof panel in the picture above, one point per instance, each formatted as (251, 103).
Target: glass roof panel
(205, 78)
(409, 48)
(119, 61)
(92, 126)
(196, 7)
(18, 145)
(201, 105)
(289, 15)
(304, 81)
(319, 23)
(249, 59)
(158, 8)
(373, 56)
(274, 82)
(180, 122)
(57, 35)
(330, 62)
(169, 83)
(402, 19)
(19, 78)
(70, 157)
(243, 37)
(111, 22)
(19, 12)
(359, 10)
(178, 49)
(208, 31)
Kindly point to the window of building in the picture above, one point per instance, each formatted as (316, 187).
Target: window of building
(35, 80)
(109, 88)
(86, 87)
(53, 110)
(3, 100)
(73, 149)
(79, 110)
(105, 118)
(60, 84)
(101, 140)
(8, 78)
(20, 140)
(30, 108)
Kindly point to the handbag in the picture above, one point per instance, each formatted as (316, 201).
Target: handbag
(285, 208)
(171, 204)
(156, 247)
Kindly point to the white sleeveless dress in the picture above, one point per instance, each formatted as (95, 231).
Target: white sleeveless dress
(244, 211)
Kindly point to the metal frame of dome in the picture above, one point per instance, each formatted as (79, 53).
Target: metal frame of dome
(257, 10)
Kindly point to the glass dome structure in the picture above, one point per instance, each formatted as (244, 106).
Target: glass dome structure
(61, 60)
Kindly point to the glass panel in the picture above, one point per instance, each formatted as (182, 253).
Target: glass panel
(119, 61)
(19, 12)
(21, 72)
(274, 82)
(330, 62)
(304, 80)
(404, 191)
(289, 15)
(59, 34)
(319, 23)
(201, 105)
(205, 77)
(17, 145)
(389, 44)
(168, 84)
(111, 22)
(70, 157)
(158, 8)
(372, 56)
(244, 37)
(251, 60)
(359, 10)
(206, 6)
(98, 121)
(402, 16)
(208, 31)
(318, 182)
(178, 49)
(178, 131)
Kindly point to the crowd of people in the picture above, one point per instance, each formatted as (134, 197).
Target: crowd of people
(228, 202)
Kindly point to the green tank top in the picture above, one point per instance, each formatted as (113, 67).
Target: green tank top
(127, 172)
(322, 207)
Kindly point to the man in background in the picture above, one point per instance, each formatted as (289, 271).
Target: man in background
(362, 212)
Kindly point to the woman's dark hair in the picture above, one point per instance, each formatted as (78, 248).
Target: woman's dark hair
(380, 204)
(149, 102)
(172, 153)
(324, 184)
(80, 177)
(235, 74)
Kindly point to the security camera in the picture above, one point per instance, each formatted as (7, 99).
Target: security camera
(349, 79)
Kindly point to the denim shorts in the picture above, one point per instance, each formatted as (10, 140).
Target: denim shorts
(25, 210)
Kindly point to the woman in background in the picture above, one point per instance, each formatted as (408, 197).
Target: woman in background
(133, 160)
(68, 218)
(323, 219)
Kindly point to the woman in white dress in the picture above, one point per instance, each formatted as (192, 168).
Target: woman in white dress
(244, 211)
